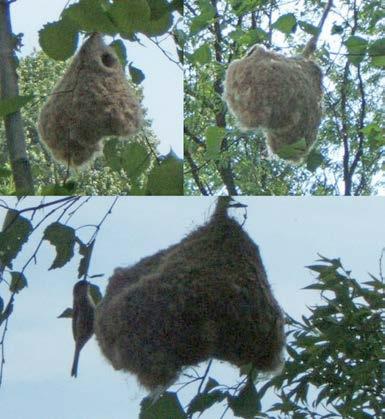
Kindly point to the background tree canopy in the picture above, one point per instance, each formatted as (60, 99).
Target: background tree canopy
(349, 154)
(134, 167)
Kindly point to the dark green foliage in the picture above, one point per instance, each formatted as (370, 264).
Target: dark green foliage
(63, 239)
(15, 234)
(168, 406)
(338, 351)
(335, 358)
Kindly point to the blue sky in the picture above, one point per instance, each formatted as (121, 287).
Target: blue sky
(39, 347)
(163, 86)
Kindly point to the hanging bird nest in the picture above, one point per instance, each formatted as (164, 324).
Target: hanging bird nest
(281, 95)
(91, 101)
(205, 297)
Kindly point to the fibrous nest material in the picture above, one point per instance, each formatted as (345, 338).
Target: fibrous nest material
(91, 101)
(205, 297)
(281, 95)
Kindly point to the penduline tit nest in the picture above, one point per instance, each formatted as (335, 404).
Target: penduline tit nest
(205, 297)
(92, 100)
(280, 95)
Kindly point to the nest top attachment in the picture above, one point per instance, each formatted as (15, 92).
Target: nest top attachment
(205, 297)
(281, 95)
(92, 100)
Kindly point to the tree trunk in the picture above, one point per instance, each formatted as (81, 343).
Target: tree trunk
(14, 132)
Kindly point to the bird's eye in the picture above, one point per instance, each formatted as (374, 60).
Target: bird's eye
(108, 60)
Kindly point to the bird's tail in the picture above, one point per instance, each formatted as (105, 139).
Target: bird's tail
(74, 370)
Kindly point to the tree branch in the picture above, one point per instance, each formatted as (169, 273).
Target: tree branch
(311, 45)
(14, 132)
(195, 172)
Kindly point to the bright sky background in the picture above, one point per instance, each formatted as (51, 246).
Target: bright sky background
(163, 86)
(39, 347)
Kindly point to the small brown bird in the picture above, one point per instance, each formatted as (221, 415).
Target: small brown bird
(82, 320)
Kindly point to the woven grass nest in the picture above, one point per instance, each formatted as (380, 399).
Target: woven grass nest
(92, 100)
(282, 95)
(205, 297)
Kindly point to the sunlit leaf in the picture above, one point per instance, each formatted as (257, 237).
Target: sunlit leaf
(377, 53)
(166, 178)
(214, 137)
(202, 55)
(59, 39)
(136, 159)
(130, 15)
(356, 47)
(120, 50)
(286, 23)
(89, 16)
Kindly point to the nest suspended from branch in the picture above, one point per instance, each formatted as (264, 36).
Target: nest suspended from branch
(91, 101)
(281, 95)
(205, 297)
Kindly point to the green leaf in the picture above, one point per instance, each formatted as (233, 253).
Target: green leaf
(120, 50)
(377, 53)
(95, 293)
(292, 151)
(202, 55)
(356, 47)
(214, 137)
(161, 18)
(13, 104)
(286, 23)
(137, 75)
(166, 178)
(211, 383)
(308, 27)
(16, 231)
(59, 39)
(314, 160)
(253, 36)
(337, 29)
(63, 238)
(18, 282)
(166, 407)
(86, 252)
(204, 19)
(130, 15)
(1, 305)
(136, 159)
(58, 190)
(89, 16)
(177, 5)
(112, 155)
(246, 404)
(204, 401)
(67, 314)
(4, 172)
